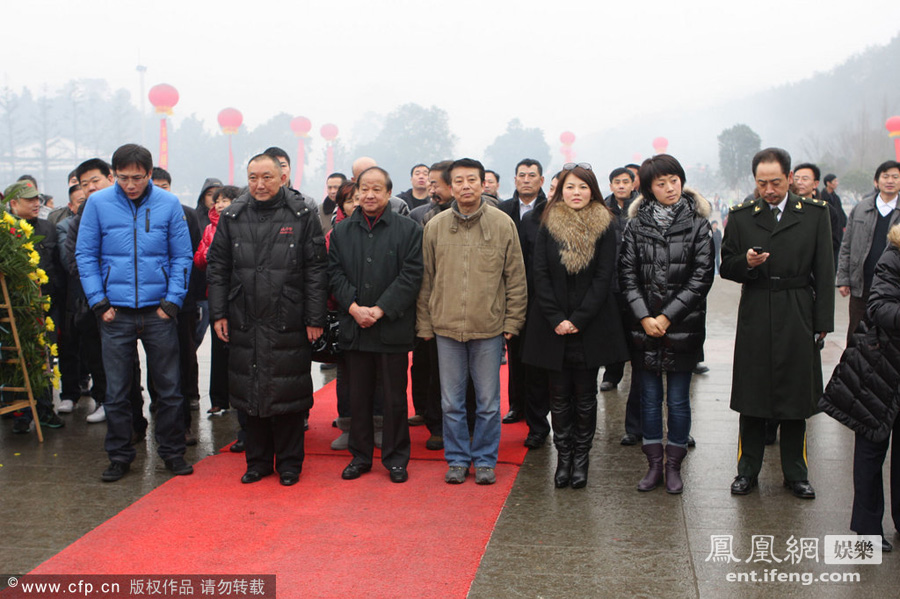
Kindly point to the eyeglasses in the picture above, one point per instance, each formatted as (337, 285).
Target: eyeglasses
(571, 166)
(134, 179)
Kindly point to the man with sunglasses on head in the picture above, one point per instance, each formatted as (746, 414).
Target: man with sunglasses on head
(134, 258)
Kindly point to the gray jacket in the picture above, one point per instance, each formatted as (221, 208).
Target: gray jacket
(857, 243)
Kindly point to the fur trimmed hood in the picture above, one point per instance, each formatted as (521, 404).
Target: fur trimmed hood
(894, 236)
(701, 205)
(577, 231)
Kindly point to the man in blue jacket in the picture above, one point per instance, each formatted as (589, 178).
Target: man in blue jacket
(134, 256)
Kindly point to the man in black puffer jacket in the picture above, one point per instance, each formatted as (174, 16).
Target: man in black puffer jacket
(267, 292)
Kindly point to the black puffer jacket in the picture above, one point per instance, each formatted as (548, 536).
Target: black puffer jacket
(668, 272)
(864, 390)
(267, 276)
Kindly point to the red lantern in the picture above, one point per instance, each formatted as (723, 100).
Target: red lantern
(567, 138)
(893, 127)
(230, 120)
(163, 97)
(300, 126)
(329, 132)
(660, 144)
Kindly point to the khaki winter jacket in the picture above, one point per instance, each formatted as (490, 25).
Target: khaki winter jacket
(474, 284)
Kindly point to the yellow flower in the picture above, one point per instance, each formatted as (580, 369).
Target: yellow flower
(34, 276)
(49, 323)
(53, 350)
(23, 224)
(45, 303)
(8, 218)
(41, 341)
(43, 279)
(34, 258)
(28, 246)
(55, 378)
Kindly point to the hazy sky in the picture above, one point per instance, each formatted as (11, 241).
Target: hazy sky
(580, 65)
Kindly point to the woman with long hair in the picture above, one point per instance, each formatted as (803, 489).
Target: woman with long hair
(665, 272)
(574, 325)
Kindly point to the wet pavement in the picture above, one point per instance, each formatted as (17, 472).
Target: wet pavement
(607, 540)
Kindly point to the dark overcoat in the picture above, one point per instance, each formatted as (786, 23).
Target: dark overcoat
(785, 302)
(381, 266)
(267, 276)
(585, 298)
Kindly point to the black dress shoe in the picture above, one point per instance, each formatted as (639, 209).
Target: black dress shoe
(179, 467)
(115, 471)
(800, 488)
(512, 416)
(237, 447)
(691, 442)
(886, 546)
(607, 386)
(289, 478)
(355, 470)
(701, 368)
(630, 439)
(742, 485)
(399, 474)
(252, 476)
(535, 441)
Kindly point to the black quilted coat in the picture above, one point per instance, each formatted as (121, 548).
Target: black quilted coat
(267, 276)
(668, 272)
(864, 390)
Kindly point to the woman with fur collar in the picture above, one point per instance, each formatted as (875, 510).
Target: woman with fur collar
(665, 272)
(574, 327)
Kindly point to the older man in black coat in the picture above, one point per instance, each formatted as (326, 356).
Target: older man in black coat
(267, 294)
(375, 263)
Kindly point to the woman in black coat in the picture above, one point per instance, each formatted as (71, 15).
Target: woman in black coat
(574, 326)
(665, 272)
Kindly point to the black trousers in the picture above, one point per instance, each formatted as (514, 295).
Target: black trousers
(613, 373)
(420, 376)
(69, 358)
(368, 371)
(218, 372)
(752, 446)
(868, 484)
(533, 388)
(92, 352)
(276, 439)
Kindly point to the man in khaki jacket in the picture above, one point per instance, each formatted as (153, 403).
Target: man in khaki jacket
(473, 296)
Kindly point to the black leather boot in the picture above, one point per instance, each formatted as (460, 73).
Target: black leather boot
(562, 419)
(585, 426)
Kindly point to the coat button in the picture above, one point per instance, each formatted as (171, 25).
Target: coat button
(371, 236)
(259, 269)
(369, 259)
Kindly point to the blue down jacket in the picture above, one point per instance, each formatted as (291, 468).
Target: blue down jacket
(133, 253)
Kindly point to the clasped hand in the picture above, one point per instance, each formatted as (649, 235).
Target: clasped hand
(365, 316)
(656, 327)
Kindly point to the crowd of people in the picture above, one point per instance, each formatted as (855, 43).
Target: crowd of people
(559, 284)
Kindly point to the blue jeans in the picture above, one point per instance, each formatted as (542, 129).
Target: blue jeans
(480, 359)
(678, 402)
(160, 339)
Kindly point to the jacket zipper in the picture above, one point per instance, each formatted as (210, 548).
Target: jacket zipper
(135, 258)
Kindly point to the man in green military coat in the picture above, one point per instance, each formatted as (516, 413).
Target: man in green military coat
(779, 248)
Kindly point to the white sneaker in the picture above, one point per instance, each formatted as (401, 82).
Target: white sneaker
(98, 415)
(65, 406)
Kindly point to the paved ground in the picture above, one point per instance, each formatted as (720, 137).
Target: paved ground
(606, 540)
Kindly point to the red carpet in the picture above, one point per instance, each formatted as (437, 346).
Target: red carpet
(324, 537)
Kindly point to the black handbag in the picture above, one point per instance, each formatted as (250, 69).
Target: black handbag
(325, 349)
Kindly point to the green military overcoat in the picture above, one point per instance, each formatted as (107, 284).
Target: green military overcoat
(785, 302)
